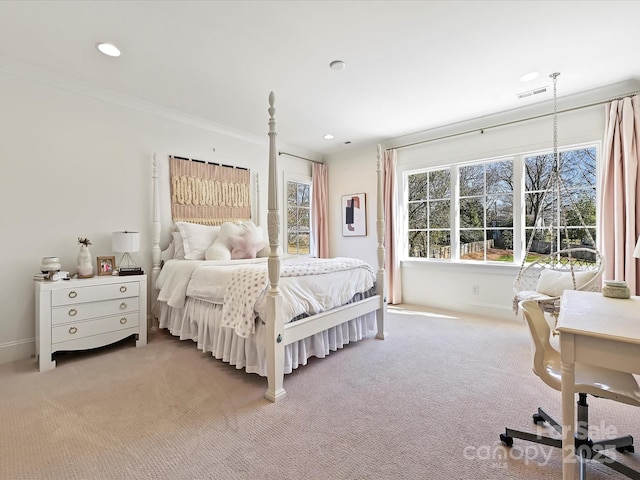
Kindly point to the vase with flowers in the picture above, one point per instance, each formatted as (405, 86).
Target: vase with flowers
(85, 261)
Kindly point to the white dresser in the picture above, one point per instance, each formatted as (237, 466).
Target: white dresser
(80, 314)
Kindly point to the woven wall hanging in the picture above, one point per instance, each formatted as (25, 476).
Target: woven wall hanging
(208, 194)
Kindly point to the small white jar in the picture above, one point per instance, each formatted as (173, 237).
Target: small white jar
(50, 264)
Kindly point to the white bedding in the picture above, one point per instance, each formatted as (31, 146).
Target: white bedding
(190, 306)
(302, 294)
(175, 276)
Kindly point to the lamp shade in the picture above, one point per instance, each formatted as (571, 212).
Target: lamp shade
(636, 252)
(124, 242)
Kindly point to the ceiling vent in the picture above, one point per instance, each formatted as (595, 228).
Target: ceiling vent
(530, 93)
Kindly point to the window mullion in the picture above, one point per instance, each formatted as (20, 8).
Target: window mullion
(484, 212)
(455, 213)
(519, 236)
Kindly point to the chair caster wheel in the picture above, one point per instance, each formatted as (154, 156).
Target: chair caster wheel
(537, 419)
(627, 449)
(506, 441)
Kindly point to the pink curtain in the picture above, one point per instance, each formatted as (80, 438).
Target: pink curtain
(391, 260)
(320, 209)
(619, 227)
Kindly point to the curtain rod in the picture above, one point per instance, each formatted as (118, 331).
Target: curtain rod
(208, 163)
(535, 117)
(297, 156)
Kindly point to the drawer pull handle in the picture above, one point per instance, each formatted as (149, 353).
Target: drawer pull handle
(123, 306)
(73, 330)
(123, 320)
(73, 294)
(73, 312)
(123, 289)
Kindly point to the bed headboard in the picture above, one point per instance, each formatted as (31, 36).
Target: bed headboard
(208, 194)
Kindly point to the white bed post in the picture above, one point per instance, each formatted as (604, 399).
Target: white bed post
(381, 284)
(275, 324)
(155, 232)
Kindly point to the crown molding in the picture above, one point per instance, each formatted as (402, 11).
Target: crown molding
(589, 98)
(61, 82)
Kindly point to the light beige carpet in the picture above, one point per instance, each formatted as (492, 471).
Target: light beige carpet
(429, 402)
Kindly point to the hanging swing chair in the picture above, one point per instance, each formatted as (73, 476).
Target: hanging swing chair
(572, 268)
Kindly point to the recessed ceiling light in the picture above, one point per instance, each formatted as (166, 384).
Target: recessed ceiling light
(527, 77)
(108, 49)
(328, 136)
(337, 65)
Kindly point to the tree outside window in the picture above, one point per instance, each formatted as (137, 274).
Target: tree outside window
(486, 211)
(298, 217)
(429, 234)
(479, 211)
(563, 216)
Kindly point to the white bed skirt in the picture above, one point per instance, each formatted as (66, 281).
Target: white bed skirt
(199, 321)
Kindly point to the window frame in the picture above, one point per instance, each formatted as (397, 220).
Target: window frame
(519, 232)
(300, 179)
(427, 201)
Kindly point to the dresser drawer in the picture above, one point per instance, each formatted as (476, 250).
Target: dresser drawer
(93, 293)
(72, 331)
(84, 311)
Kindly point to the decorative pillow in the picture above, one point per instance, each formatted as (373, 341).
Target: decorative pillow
(246, 245)
(197, 238)
(178, 246)
(553, 282)
(220, 249)
(266, 250)
(259, 235)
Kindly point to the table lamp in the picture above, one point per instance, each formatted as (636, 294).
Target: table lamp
(125, 242)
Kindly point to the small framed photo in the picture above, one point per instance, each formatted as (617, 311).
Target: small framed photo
(354, 215)
(106, 265)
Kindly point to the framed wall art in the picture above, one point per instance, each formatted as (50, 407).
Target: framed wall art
(354, 215)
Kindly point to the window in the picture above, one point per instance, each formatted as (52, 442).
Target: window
(430, 214)
(486, 211)
(298, 222)
(470, 211)
(564, 217)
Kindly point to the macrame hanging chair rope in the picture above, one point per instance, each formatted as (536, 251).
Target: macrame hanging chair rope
(567, 260)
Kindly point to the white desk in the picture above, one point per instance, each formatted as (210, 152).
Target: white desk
(593, 330)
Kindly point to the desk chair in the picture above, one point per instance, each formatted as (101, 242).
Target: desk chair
(592, 380)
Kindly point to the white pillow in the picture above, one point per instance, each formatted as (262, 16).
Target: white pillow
(178, 246)
(553, 282)
(220, 249)
(197, 238)
(266, 251)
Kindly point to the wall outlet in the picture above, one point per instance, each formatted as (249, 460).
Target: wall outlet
(476, 289)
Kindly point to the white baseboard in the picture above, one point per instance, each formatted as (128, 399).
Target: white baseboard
(482, 309)
(18, 350)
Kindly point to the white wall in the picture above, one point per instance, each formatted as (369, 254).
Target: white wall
(451, 285)
(353, 173)
(80, 164)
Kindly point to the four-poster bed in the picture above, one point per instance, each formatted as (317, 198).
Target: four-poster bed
(290, 325)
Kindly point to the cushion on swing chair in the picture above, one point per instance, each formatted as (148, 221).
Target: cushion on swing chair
(525, 295)
(550, 286)
(554, 282)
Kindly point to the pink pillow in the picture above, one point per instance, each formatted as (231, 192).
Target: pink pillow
(246, 245)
